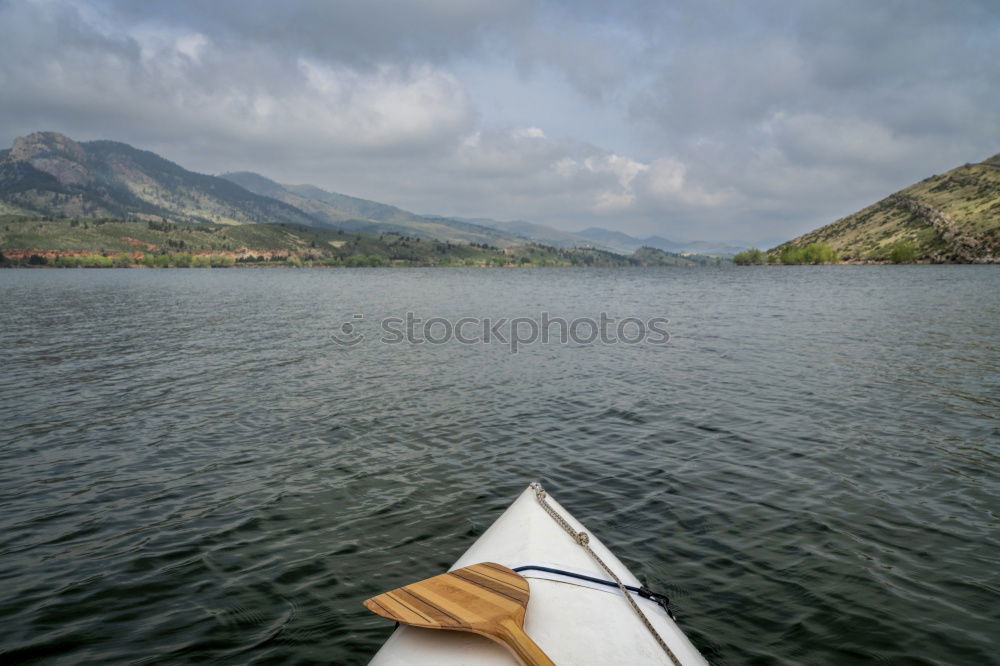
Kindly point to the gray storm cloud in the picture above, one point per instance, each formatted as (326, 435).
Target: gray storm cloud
(691, 120)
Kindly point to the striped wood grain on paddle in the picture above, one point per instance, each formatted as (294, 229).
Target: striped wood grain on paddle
(486, 598)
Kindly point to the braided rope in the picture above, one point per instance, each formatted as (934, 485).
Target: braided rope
(584, 540)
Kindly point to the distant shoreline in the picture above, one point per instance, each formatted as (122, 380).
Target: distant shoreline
(278, 265)
(107, 242)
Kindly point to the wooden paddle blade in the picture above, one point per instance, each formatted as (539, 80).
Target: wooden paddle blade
(487, 599)
(477, 598)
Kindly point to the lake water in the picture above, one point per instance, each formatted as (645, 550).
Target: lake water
(193, 469)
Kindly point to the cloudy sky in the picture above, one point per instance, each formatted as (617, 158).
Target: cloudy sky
(690, 119)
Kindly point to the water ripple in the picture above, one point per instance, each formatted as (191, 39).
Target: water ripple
(191, 470)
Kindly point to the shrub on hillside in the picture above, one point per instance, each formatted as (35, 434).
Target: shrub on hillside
(750, 257)
(791, 255)
(96, 261)
(819, 253)
(903, 253)
(814, 253)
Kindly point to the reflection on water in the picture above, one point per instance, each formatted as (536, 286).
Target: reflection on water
(190, 468)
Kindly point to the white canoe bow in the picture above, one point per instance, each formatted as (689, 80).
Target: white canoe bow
(576, 622)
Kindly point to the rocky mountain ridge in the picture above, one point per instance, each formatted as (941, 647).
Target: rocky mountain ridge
(49, 174)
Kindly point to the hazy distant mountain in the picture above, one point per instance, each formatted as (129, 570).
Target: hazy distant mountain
(49, 174)
(354, 214)
(539, 233)
(322, 212)
(622, 242)
(952, 217)
(606, 239)
(616, 240)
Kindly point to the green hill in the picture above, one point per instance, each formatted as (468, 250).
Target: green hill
(651, 256)
(952, 217)
(107, 242)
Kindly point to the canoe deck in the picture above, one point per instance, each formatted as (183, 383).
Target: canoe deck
(575, 624)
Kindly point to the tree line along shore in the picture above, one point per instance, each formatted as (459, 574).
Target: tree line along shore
(107, 243)
(903, 252)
